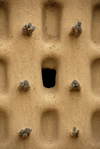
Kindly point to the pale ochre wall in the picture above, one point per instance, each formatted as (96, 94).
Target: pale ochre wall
(51, 113)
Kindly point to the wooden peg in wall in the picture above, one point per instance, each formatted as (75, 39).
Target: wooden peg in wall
(76, 30)
(24, 86)
(75, 132)
(75, 86)
(25, 133)
(28, 29)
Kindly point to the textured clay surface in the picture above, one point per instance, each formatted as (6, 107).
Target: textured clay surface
(50, 59)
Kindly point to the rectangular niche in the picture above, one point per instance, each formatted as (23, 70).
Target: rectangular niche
(95, 28)
(3, 23)
(95, 76)
(3, 127)
(3, 77)
(49, 125)
(48, 77)
(49, 72)
(51, 21)
(95, 125)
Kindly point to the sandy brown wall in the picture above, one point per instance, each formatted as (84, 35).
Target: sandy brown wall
(51, 113)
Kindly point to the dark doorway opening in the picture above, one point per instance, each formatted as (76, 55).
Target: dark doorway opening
(48, 77)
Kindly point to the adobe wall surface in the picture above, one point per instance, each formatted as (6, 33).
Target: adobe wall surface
(51, 113)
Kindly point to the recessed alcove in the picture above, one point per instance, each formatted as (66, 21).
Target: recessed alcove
(51, 24)
(48, 77)
(95, 76)
(49, 125)
(95, 125)
(95, 24)
(4, 28)
(3, 126)
(49, 72)
(3, 77)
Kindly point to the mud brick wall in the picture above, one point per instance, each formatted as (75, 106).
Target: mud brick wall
(50, 60)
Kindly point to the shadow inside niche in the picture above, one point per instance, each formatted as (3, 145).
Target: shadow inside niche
(3, 77)
(49, 72)
(48, 77)
(95, 76)
(3, 22)
(3, 127)
(95, 24)
(95, 125)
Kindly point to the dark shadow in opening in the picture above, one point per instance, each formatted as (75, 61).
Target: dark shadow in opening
(48, 77)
